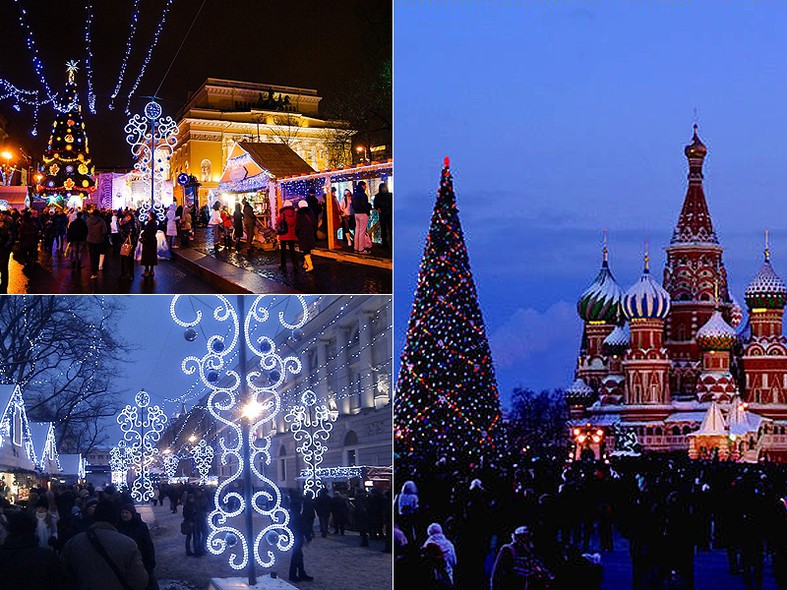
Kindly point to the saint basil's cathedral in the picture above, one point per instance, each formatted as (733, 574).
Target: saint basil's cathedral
(672, 367)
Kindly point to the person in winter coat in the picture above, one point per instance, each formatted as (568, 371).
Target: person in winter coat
(29, 234)
(361, 208)
(237, 225)
(23, 563)
(226, 226)
(297, 570)
(172, 226)
(287, 239)
(46, 523)
(348, 217)
(131, 525)
(215, 223)
(83, 557)
(128, 231)
(383, 202)
(305, 225)
(77, 236)
(322, 506)
(407, 508)
(308, 515)
(339, 513)
(436, 536)
(190, 525)
(185, 226)
(249, 224)
(149, 246)
(517, 566)
(7, 239)
(361, 516)
(96, 240)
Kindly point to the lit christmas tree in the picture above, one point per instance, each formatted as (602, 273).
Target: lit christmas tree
(447, 407)
(68, 167)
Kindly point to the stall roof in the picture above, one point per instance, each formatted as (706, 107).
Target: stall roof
(276, 158)
(250, 165)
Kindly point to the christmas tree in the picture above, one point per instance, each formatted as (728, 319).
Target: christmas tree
(68, 167)
(446, 409)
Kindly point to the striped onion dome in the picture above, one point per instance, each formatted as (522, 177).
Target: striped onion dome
(767, 290)
(579, 392)
(716, 334)
(618, 339)
(601, 301)
(646, 299)
(736, 313)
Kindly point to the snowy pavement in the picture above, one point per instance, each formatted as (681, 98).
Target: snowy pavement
(336, 562)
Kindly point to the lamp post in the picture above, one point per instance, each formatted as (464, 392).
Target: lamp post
(6, 168)
(243, 399)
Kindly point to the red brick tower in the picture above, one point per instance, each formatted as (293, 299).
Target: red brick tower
(692, 273)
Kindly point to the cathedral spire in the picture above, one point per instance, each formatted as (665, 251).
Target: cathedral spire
(694, 223)
(767, 247)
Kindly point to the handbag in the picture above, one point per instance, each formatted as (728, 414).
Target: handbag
(186, 527)
(127, 248)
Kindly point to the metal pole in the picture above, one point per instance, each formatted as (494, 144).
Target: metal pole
(152, 164)
(246, 433)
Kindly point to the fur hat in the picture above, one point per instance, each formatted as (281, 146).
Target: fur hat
(302, 204)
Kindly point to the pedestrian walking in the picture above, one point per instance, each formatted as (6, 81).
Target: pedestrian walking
(172, 226)
(149, 241)
(185, 226)
(7, 240)
(46, 522)
(189, 525)
(348, 217)
(383, 202)
(249, 225)
(215, 223)
(305, 225)
(101, 558)
(128, 235)
(77, 238)
(96, 239)
(131, 525)
(361, 209)
(339, 513)
(322, 506)
(285, 229)
(297, 568)
(24, 565)
(237, 225)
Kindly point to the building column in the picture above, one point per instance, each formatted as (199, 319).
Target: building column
(368, 382)
(321, 386)
(346, 386)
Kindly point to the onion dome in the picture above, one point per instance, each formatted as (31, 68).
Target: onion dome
(736, 313)
(716, 334)
(767, 290)
(618, 339)
(579, 393)
(601, 300)
(696, 149)
(646, 299)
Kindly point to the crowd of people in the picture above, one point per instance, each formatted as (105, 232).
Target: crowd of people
(548, 524)
(76, 537)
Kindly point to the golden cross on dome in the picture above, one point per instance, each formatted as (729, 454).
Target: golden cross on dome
(767, 247)
(71, 68)
(605, 251)
(647, 257)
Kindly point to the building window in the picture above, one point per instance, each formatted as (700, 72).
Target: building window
(283, 463)
(351, 457)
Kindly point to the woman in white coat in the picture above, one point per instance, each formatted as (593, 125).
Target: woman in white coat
(172, 225)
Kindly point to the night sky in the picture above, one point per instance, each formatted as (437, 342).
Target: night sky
(303, 43)
(562, 119)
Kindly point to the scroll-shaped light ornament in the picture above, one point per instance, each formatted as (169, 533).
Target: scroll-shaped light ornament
(202, 453)
(311, 426)
(226, 406)
(142, 425)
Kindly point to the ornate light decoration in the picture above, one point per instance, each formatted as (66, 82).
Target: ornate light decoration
(311, 426)
(152, 139)
(142, 425)
(171, 461)
(202, 453)
(119, 462)
(243, 399)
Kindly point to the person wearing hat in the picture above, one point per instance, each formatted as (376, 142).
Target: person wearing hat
(101, 558)
(285, 228)
(131, 525)
(436, 537)
(361, 208)
(46, 523)
(517, 566)
(305, 226)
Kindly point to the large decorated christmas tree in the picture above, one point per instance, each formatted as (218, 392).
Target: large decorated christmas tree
(68, 168)
(447, 410)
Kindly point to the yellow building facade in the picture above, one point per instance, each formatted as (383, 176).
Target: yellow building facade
(222, 112)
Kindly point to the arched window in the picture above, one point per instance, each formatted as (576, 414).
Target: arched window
(675, 431)
(659, 432)
(350, 438)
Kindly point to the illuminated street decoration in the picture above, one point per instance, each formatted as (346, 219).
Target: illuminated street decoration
(152, 139)
(171, 461)
(311, 426)
(142, 425)
(119, 462)
(202, 453)
(243, 400)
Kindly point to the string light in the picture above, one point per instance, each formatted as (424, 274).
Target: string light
(151, 47)
(202, 453)
(44, 434)
(91, 96)
(142, 425)
(124, 63)
(16, 407)
(31, 45)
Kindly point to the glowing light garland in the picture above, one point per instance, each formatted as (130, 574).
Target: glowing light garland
(119, 462)
(91, 96)
(124, 63)
(263, 405)
(202, 453)
(311, 431)
(31, 45)
(152, 46)
(171, 461)
(142, 425)
(17, 403)
(152, 139)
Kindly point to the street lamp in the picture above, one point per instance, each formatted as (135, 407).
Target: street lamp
(6, 169)
(363, 154)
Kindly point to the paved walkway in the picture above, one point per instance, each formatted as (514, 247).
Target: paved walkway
(336, 562)
(338, 271)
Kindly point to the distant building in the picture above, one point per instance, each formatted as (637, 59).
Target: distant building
(673, 367)
(222, 112)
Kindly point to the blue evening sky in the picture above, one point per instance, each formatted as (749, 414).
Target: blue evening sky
(562, 119)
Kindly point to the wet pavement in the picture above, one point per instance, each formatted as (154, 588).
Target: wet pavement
(336, 562)
(53, 274)
(329, 275)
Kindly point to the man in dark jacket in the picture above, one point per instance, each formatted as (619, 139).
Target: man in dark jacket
(25, 565)
(77, 235)
(322, 506)
(361, 208)
(96, 232)
(383, 202)
(90, 556)
(7, 239)
(297, 570)
(315, 208)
